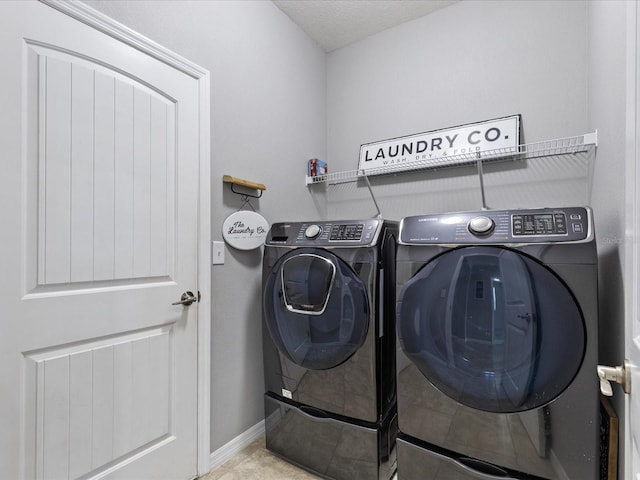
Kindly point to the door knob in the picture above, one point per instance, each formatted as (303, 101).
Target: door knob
(620, 374)
(186, 299)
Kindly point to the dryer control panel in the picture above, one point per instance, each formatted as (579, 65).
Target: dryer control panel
(355, 233)
(544, 225)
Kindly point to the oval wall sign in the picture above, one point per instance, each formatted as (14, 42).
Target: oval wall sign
(245, 230)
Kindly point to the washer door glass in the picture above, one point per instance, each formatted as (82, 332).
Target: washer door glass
(492, 328)
(316, 308)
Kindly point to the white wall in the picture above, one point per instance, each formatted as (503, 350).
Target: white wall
(607, 112)
(267, 118)
(468, 62)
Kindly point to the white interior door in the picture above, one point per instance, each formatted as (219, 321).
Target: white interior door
(99, 232)
(632, 251)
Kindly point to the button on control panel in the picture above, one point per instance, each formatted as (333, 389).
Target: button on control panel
(312, 231)
(481, 225)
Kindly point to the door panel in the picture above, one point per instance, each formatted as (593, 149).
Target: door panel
(98, 369)
(98, 402)
(106, 161)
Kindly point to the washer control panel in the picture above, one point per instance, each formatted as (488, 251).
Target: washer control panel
(544, 225)
(346, 233)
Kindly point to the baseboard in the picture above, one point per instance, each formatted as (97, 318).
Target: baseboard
(229, 449)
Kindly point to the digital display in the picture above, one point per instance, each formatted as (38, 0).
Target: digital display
(347, 232)
(540, 224)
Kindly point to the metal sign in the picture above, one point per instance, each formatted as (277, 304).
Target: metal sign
(488, 139)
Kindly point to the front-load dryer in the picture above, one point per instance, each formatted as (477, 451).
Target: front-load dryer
(497, 346)
(329, 346)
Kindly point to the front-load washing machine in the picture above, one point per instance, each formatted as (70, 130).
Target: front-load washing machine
(497, 345)
(329, 346)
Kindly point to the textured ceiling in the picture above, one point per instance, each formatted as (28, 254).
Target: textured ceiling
(338, 23)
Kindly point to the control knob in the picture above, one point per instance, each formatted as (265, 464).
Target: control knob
(312, 231)
(481, 225)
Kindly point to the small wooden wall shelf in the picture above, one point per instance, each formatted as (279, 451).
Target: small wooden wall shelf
(243, 183)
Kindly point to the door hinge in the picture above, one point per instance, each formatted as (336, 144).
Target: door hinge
(620, 374)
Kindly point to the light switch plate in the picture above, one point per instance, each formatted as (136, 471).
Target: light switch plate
(217, 253)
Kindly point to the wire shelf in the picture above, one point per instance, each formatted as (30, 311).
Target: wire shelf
(578, 145)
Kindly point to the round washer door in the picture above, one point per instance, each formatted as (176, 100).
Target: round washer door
(492, 328)
(316, 308)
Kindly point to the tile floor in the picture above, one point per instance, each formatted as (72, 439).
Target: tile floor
(256, 462)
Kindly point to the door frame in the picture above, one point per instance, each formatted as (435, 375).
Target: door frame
(109, 26)
(632, 223)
